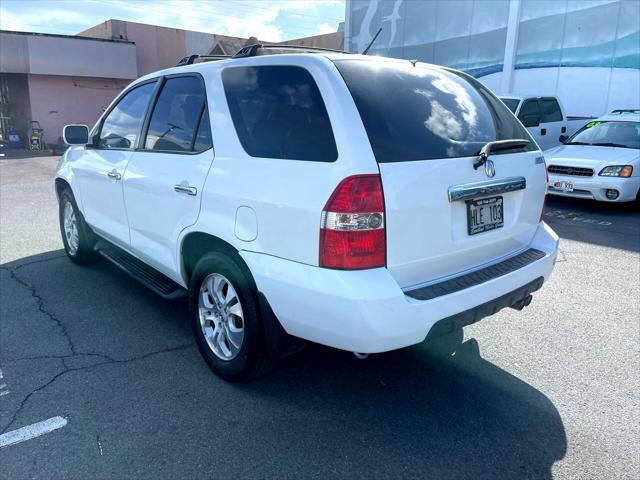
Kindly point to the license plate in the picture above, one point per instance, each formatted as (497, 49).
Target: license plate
(484, 215)
(563, 186)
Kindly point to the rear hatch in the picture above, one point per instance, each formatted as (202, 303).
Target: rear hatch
(426, 126)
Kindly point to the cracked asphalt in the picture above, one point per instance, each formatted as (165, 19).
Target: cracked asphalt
(552, 391)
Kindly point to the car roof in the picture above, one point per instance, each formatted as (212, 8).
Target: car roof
(295, 58)
(620, 117)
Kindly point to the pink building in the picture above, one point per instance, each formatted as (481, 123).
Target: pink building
(55, 79)
(61, 79)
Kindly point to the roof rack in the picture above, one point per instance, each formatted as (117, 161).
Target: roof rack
(191, 59)
(252, 50)
(625, 110)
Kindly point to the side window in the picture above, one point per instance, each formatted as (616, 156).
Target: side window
(550, 110)
(177, 117)
(121, 126)
(278, 112)
(203, 136)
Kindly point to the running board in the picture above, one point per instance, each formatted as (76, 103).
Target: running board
(148, 276)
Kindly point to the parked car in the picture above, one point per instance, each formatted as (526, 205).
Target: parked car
(544, 117)
(600, 162)
(357, 202)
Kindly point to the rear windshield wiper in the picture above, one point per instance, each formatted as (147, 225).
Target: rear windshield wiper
(489, 147)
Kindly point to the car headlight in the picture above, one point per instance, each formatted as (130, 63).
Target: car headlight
(617, 171)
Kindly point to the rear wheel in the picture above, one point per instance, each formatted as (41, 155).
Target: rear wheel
(77, 237)
(225, 319)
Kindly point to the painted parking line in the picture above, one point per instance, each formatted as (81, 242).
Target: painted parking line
(3, 386)
(577, 217)
(31, 431)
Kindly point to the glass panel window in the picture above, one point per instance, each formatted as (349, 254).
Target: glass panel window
(550, 110)
(121, 126)
(608, 134)
(176, 117)
(278, 112)
(529, 107)
(203, 137)
(423, 112)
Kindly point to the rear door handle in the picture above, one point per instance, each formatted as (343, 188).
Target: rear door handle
(193, 191)
(543, 131)
(114, 174)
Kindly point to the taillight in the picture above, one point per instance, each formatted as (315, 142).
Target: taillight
(352, 225)
(546, 189)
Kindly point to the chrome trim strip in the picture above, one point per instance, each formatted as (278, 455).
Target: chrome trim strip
(482, 189)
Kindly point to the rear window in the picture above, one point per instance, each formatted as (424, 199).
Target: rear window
(422, 112)
(550, 110)
(278, 112)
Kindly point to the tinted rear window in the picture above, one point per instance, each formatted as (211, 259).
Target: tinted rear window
(423, 112)
(278, 113)
(550, 110)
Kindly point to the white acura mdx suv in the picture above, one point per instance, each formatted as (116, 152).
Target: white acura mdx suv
(361, 203)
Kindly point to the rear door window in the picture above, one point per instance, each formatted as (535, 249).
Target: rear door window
(179, 122)
(422, 112)
(550, 110)
(530, 108)
(121, 127)
(278, 112)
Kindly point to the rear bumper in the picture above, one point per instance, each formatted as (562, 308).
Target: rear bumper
(594, 188)
(366, 311)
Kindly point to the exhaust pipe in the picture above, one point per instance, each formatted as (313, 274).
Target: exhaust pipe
(524, 302)
(361, 356)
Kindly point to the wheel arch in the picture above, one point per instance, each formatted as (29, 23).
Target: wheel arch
(195, 245)
(60, 185)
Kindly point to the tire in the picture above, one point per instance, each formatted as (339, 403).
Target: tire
(230, 340)
(77, 236)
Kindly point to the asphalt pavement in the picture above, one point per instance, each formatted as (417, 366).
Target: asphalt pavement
(552, 391)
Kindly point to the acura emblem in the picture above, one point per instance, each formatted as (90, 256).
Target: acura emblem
(489, 168)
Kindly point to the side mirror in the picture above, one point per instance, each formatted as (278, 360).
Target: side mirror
(563, 138)
(531, 120)
(75, 134)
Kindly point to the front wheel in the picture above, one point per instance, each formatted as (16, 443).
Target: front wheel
(77, 237)
(225, 319)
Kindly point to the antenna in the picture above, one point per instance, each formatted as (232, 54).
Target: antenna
(366, 50)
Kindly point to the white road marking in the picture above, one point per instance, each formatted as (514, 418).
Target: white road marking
(4, 385)
(32, 431)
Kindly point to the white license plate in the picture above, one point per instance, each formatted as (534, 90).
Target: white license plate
(484, 215)
(563, 186)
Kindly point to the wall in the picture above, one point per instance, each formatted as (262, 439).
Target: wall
(586, 52)
(59, 100)
(61, 55)
(334, 41)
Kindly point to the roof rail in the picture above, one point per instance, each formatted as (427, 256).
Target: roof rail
(252, 50)
(191, 59)
(626, 110)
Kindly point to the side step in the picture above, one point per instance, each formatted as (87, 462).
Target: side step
(148, 276)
